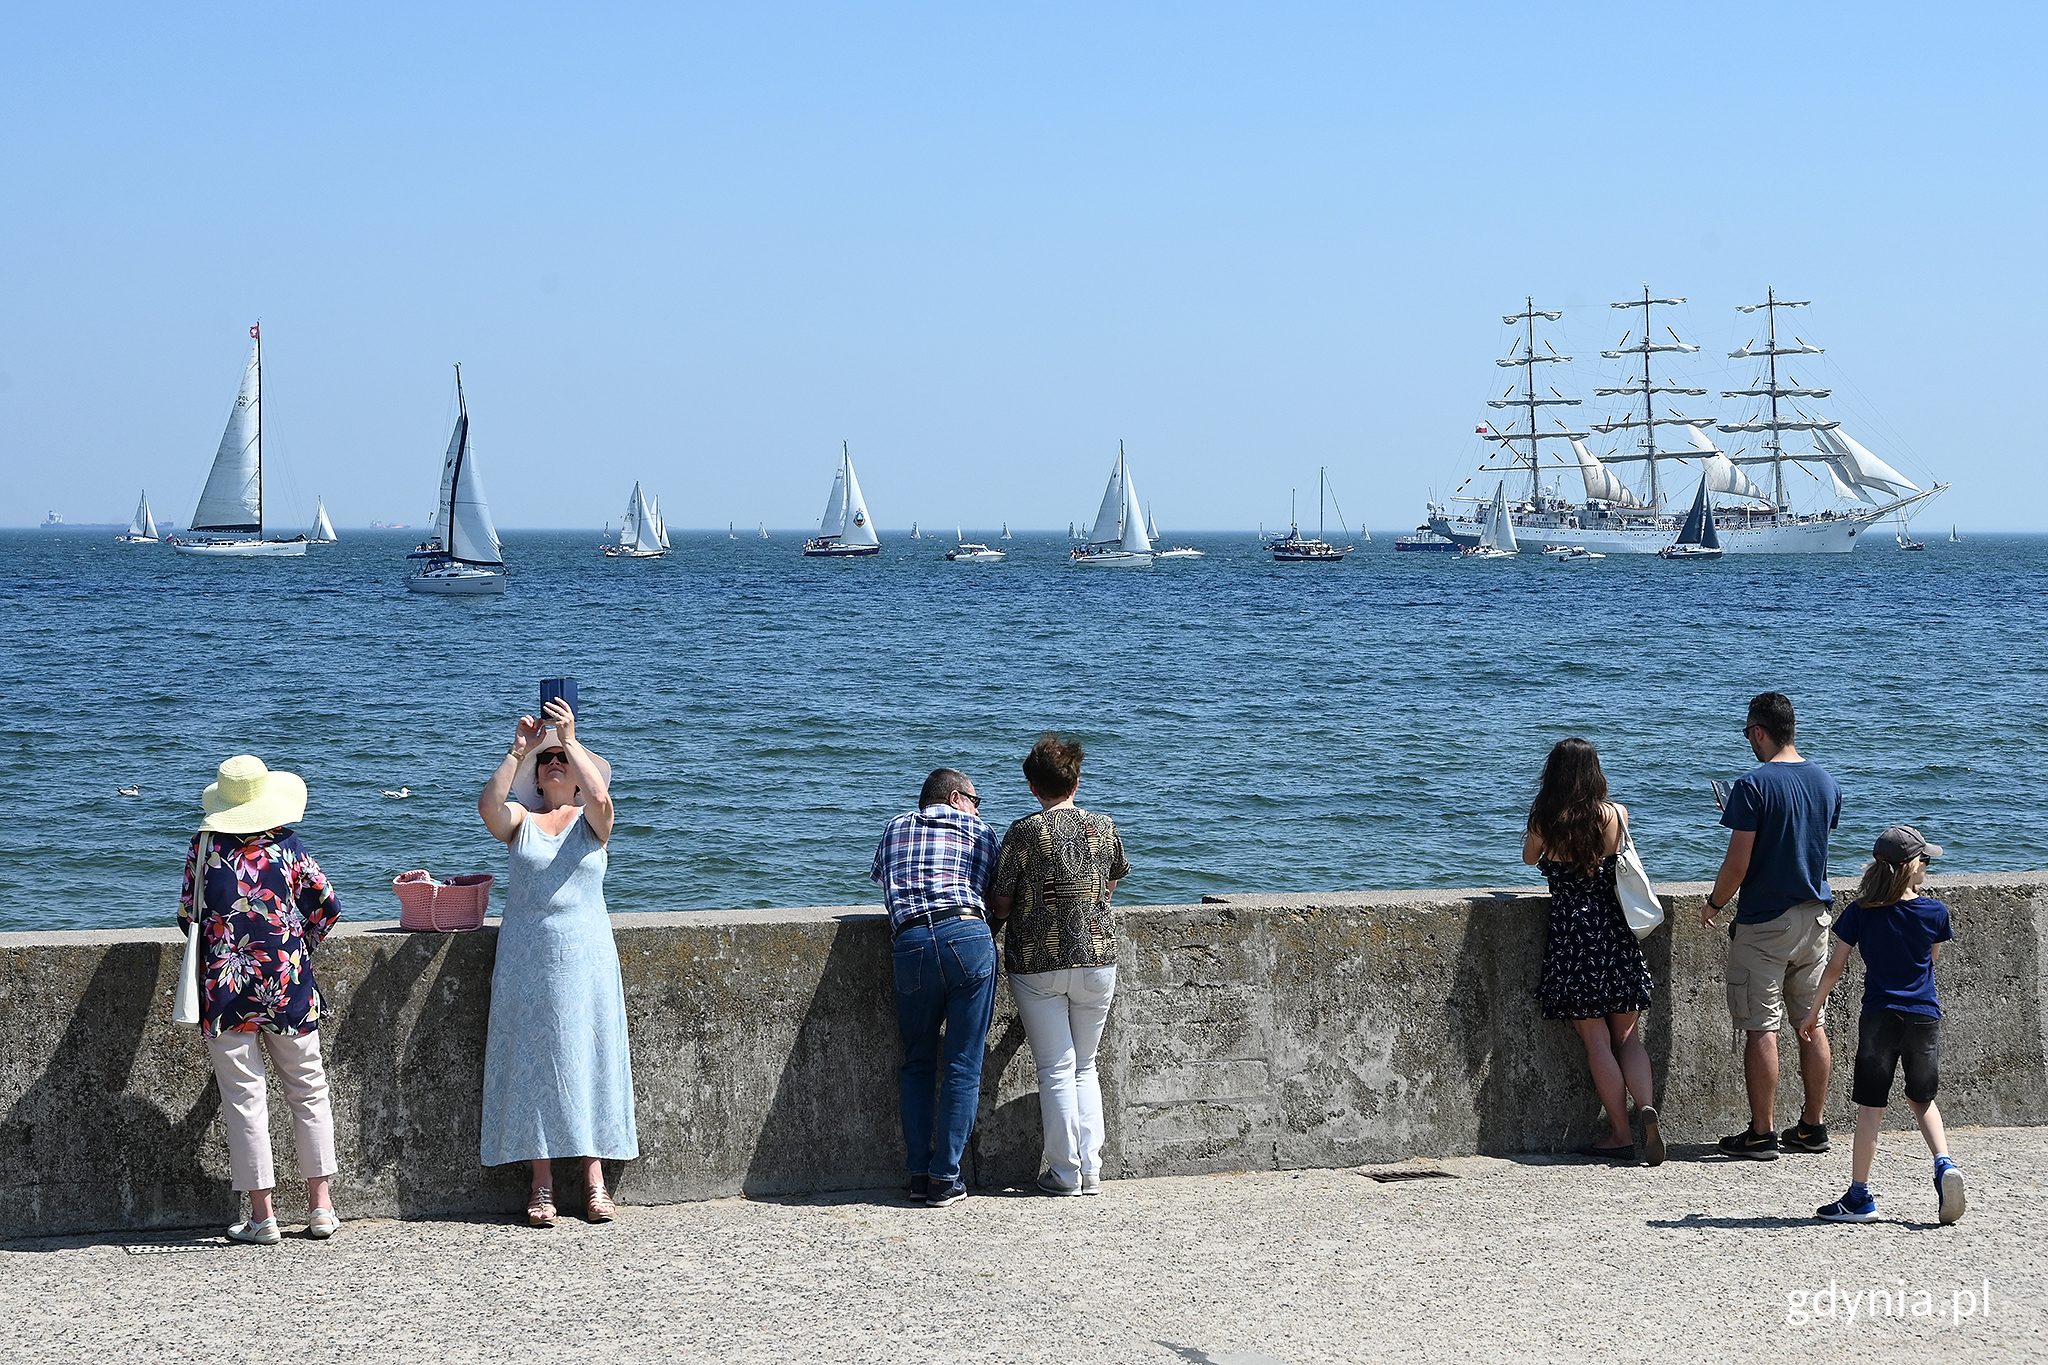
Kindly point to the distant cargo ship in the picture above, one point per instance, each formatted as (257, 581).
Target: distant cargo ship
(53, 522)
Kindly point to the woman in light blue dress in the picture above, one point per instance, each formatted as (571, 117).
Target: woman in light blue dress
(558, 1076)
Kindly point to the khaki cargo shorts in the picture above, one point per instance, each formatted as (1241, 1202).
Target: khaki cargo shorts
(1776, 966)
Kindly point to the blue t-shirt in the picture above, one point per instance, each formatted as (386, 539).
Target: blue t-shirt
(1897, 942)
(1791, 807)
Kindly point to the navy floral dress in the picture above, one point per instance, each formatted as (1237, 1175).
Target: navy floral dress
(268, 905)
(1592, 966)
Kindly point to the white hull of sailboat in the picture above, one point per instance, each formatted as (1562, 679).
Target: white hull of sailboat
(614, 552)
(240, 549)
(1179, 554)
(137, 540)
(462, 582)
(1113, 559)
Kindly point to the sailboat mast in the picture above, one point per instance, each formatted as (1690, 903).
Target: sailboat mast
(845, 474)
(455, 478)
(1777, 441)
(1322, 478)
(257, 333)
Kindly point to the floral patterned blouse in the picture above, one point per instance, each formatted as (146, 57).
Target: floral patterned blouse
(268, 905)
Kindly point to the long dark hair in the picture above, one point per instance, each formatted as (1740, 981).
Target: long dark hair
(1569, 813)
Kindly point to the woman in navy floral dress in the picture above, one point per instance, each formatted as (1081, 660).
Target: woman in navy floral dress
(1594, 973)
(267, 905)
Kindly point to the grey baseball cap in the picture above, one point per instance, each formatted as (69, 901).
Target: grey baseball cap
(1903, 843)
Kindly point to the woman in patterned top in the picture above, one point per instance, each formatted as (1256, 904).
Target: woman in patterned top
(265, 909)
(1594, 973)
(1053, 882)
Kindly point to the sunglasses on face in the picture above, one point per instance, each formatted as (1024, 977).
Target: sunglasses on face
(552, 756)
(971, 797)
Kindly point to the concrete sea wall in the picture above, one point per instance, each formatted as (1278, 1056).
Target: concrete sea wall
(1253, 1031)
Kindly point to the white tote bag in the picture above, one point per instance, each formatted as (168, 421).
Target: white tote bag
(185, 1011)
(1639, 904)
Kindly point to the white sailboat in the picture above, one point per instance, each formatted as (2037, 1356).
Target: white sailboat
(1006, 531)
(230, 511)
(1953, 538)
(465, 559)
(641, 534)
(142, 526)
(728, 532)
(846, 530)
(1497, 540)
(323, 529)
(1152, 532)
(1296, 548)
(763, 529)
(1118, 540)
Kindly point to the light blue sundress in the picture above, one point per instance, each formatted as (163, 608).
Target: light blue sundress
(558, 1078)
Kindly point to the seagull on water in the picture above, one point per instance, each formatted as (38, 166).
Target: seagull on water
(127, 791)
(401, 793)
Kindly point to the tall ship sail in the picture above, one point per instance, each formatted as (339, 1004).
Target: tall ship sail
(465, 557)
(1618, 517)
(1118, 540)
(846, 531)
(229, 518)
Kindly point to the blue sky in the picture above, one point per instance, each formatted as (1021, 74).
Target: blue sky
(701, 245)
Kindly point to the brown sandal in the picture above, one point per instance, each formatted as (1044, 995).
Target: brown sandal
(540, 1209)
(597, 1206)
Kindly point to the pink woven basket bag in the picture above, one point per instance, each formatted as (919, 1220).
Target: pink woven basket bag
(425, 905)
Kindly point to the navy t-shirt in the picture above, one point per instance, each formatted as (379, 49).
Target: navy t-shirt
(1791, 807)
(1897, 942)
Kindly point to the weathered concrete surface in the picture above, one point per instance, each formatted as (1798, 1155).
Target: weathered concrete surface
(1512, 1262)
(1251, 1032)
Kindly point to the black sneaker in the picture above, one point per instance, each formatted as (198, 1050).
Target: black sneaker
(1804, 1137)
(1751, 1145)
(942, 1196)
(918, 1188)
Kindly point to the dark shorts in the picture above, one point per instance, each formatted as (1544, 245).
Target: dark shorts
(1886, 1040)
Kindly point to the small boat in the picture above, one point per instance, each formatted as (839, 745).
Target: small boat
(845, 531)
(1006, 531)
(1697, 539)
(642, 534)
(141, 527)
(230, 511)
(914, 535)
(1152, 533)
(1574, 554)
(466, 558)
(968, 551)
(1298, 549)
(1953, 538)
(764, 530)
(1497, 539)
(728, 532)
(323, 529)
(1118, 540)
(1425, 539)
(1906, 542)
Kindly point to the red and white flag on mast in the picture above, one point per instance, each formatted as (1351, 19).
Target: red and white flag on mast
(253, 332)
(1480, 429)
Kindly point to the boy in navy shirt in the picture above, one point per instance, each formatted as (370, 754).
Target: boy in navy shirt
(1900, 932)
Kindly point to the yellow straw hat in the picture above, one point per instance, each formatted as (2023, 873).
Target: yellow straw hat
(247, 798)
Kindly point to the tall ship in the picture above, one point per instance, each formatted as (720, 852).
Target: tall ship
(846, 530)
(229, 518)
(1855, 488)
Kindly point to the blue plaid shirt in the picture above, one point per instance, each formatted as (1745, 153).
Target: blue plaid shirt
(934, 859)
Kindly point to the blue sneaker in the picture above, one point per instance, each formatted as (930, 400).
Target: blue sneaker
(918, 1188)
(1948, 1184)
(1848, 1209)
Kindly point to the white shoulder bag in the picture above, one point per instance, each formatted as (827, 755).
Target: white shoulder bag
(185, 1011)
(1639, 904)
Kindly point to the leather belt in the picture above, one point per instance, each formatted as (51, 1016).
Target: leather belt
(932, 919)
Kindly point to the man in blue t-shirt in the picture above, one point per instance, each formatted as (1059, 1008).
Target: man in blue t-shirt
(1779, 815)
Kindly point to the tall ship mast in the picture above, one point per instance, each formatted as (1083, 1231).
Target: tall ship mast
(1856, 487)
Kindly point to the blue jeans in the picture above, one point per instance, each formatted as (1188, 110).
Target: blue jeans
(945, 974)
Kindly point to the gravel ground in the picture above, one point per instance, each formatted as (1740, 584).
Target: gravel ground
(1513, 1260)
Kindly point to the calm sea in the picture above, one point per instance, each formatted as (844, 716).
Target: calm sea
(1251, 726)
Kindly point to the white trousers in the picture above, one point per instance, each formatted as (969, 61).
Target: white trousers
(245, 1103)
(1064, 1013)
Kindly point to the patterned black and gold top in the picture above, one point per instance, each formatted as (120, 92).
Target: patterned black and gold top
(1057, 866)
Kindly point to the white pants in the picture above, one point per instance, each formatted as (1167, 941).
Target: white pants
(1064, 1013)
(245, 1104)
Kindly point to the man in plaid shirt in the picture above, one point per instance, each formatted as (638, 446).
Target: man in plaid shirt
(935, 864)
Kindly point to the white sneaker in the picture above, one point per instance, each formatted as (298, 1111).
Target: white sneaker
(1091, 1182)
(323, 1224)
(264, 1233)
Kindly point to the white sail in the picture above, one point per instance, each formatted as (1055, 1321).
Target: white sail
(641, 531)
(464, 514)
(1134, 538)
(1151, 526)
(1504, 525)
(323, 529)
(629, 520)
(1844, 481)
(1599, 483)
(834, 521)
(233, 497)
(860, 527)
(1867, 468)
(660, 525)
(143, 525)
(1721, 473)
(1109, 518)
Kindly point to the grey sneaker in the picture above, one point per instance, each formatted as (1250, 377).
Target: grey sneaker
(323, 1224)
(1091, 1182)
(263, 1234)
(1050, 1184)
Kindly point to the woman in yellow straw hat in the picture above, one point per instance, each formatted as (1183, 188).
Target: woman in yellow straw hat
(267, 905)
